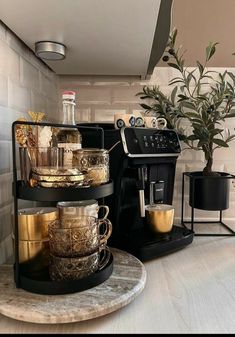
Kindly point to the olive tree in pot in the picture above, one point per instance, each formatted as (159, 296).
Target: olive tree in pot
(204, 99)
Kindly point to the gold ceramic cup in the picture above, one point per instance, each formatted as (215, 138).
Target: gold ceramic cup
(33, 222)
(78, 240)
(33, 255)
(33, 250)
(160, 217)
(73, 268)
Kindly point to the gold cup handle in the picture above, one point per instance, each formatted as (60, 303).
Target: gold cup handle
(107, 211)
(105, 258)
(108, 230)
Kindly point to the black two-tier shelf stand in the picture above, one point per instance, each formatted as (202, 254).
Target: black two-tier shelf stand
(22, 190)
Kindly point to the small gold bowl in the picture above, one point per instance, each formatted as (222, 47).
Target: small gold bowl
(160, 217)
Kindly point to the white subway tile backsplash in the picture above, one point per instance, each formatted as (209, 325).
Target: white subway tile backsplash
(111, 83)
(94, 95)
(229, 166)
(42, 67)
(113, 80)
(48, 87)
(7, 116)
(127, 95)
(29, 75)
(230, 123)
(5, 221)
(3, 90)
(107, 115)
(17, 45)
(83, 115)
(6, 153)
(139, 83)
(162, 75)
(225, 153)
(5, 191)
(19, 97)
(189, 167)
(9, 62)
(66, 82)
(6, 249)
(189, 155)
(38, 102)
(52, 109)
(137, 112)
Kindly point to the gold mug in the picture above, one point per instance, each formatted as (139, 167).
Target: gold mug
(74, 239)
(160, 217)
(73, 268)
(33, 255)
(33, 222)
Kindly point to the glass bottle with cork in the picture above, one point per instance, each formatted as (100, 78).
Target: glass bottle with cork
(69, 139)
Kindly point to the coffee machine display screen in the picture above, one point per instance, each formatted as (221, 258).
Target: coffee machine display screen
(144, 142)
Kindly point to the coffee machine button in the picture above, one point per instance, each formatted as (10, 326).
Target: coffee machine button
(151, 138)
(146, 144)
(145, 138)
(152, 144)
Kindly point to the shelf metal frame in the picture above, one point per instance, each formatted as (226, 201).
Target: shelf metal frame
(16, 186)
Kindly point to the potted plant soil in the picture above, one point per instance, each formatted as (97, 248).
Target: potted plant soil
(201, 99)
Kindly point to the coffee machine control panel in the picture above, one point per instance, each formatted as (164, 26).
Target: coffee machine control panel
(150, 142)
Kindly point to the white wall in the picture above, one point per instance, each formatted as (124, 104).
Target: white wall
(25, 84)
(99, 98)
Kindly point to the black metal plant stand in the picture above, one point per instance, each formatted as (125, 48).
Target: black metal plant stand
(192, 222)
(21, 190)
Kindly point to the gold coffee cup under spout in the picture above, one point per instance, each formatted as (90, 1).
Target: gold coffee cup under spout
(160, 217)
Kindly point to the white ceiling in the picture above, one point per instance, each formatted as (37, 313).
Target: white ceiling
(103, 37)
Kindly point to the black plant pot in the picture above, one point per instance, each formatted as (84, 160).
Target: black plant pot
(211, 193)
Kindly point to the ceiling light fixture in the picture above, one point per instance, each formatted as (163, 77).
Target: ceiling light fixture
(51, 51)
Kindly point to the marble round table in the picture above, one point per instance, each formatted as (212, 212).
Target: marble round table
(125, 283)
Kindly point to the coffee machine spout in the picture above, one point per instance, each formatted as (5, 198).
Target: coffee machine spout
(141, 187)
(142, 203)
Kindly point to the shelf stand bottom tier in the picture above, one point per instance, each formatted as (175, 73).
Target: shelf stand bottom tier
(125, 283)
(44, 286)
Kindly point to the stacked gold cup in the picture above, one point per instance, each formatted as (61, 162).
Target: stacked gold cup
(33, 237)
(78, 240)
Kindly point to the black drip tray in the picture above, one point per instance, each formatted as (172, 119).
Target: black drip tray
(176, 233)
(147, 245)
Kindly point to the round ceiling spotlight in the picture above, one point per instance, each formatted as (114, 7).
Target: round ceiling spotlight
(51, 51)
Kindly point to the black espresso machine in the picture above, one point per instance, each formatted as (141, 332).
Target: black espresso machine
(138, 157)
